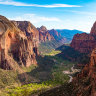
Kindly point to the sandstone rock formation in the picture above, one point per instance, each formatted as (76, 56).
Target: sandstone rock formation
(84, 42)
(44, 34)
(15, 46)
(49, 35)
(57, 36)
(30, 31)
(85, 82)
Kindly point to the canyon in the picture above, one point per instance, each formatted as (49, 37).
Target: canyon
(19, 41)
(84, 82)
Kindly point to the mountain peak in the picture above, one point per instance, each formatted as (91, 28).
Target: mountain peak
(43, 28)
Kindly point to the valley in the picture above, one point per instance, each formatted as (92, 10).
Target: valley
(41, 62)
(45, 83)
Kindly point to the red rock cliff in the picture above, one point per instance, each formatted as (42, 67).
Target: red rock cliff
(57, 36)
(44, 34)
(15, 46)
(36, 34)
(84, 42)
(30, 31)
(85, 82)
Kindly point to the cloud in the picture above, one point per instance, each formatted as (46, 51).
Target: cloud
(14, 3)
(35, 19)
(83, 24)
(85, 13)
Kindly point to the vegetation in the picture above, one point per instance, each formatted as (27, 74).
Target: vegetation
(48, 73)
(58, 78)
(48, 46)
(59, 67)
(8, 78)
(72, 55)
(30, 68)
(63, 47)
(28, 90)
(65, 90)
(53, 52)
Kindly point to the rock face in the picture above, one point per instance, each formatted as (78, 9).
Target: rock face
(93, 29)
(48, 35)
(15, 46)
(85, 82)
(30, 31)
(57, 36)
(84, 42)
(44, 34)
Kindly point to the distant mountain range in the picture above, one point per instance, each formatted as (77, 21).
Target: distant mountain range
(61, 35)
(68, 34)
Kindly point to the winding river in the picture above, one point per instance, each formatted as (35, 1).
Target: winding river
(70, 73)
(70, 80)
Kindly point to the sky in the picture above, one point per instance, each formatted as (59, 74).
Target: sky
(54, 14)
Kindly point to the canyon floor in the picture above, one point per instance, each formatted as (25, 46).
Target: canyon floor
(45, 78)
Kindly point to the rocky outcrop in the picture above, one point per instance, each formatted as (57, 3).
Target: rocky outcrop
(48, 35)
(44, 34)
(84, 42)
(54, 33)
(15, 46)
(42, 29)
(85, 82)
(93, 29)
(57, 36)
(30, 31)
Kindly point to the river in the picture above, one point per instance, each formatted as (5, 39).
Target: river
(70, 73)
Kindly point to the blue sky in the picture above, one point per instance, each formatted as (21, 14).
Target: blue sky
(57, 14)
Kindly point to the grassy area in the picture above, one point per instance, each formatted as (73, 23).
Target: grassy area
(28, 90)
(52, 53)
(48, 46)
(8, 78)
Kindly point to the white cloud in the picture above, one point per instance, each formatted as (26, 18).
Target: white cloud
(84, 12)
(56, 23)
(34, 18)
(14, 3)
